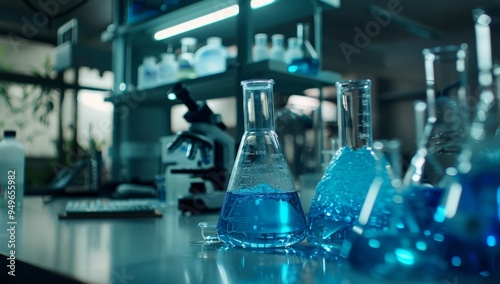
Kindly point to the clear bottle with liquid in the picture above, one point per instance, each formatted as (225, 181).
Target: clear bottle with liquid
(345, 183)
(261, 207)
(185, 59)
(167, 69)
(211, 58)
(293, 51)
(309, 63)
(147, 73)
(12, 172)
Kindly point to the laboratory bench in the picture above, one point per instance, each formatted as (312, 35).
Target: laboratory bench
(169, 249)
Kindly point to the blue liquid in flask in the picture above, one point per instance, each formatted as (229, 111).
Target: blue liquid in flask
(339, 197)
(261, 217)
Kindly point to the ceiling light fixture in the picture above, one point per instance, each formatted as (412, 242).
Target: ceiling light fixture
(207, 19)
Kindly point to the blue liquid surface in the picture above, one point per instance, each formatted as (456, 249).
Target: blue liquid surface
(306, 66)
(340, 195)
(259, 219)
(424, 201)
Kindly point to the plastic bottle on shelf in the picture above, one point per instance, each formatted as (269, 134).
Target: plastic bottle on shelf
(185, 59)
(11, 171)
(260, 50)
(211, 58)
(277, 49)
(147, 74)
(167, 69)
(293, 52)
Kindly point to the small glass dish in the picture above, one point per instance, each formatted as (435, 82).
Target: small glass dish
(209, 232)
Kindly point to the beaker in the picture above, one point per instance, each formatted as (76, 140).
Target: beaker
(341, 191)
(261, 207)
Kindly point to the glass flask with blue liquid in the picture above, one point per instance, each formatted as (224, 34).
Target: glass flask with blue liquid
(261, 207)
(469, 213)
(308, 63)
(400, 250)
(442, 134)
(341, 191)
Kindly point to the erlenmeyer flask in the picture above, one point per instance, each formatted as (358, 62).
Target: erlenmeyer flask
(447, 115)
(341, 191)
(399, 250)
(261, 208)
(443, 135)
(469, 214)
(309, 62)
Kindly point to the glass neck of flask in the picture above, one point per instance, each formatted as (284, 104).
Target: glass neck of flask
(446, 80)
(258, 104)
(354, 106)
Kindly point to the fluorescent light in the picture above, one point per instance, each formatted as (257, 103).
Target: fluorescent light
(207, 19)
(260, 3)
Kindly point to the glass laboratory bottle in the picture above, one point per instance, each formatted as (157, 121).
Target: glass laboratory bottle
(261, 207)
(309, 63)
(211, 58)
(293, 51)
(186, 58)
(340, 192)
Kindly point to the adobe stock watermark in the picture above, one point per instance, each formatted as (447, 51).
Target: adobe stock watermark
(31, 25)
(363, 37)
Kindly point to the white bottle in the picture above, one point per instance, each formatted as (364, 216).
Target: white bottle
(11, 172)
(147, 73)
(167, 69)
(211, 58)
(293, 51)
(277, 49)
(185, 59)
(260, 51)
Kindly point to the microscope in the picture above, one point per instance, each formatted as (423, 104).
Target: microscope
(202, 175)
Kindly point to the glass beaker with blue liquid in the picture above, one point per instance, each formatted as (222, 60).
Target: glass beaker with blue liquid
(261, 207)
(345, 183)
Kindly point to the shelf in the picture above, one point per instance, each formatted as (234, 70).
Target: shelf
(288, 11)
(221, 85)
(202, 88)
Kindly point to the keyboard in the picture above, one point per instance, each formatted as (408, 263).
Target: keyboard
(104, 208)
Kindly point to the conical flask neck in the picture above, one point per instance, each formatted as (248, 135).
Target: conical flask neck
(354, 104)
(258, 105)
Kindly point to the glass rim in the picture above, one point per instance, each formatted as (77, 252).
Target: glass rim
(445, 49)
(354, 83)
(257, 81)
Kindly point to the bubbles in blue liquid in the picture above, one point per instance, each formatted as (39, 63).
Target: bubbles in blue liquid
(340, 195)
(261, 217)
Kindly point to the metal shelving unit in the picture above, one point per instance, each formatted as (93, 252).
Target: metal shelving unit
(129, 41)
